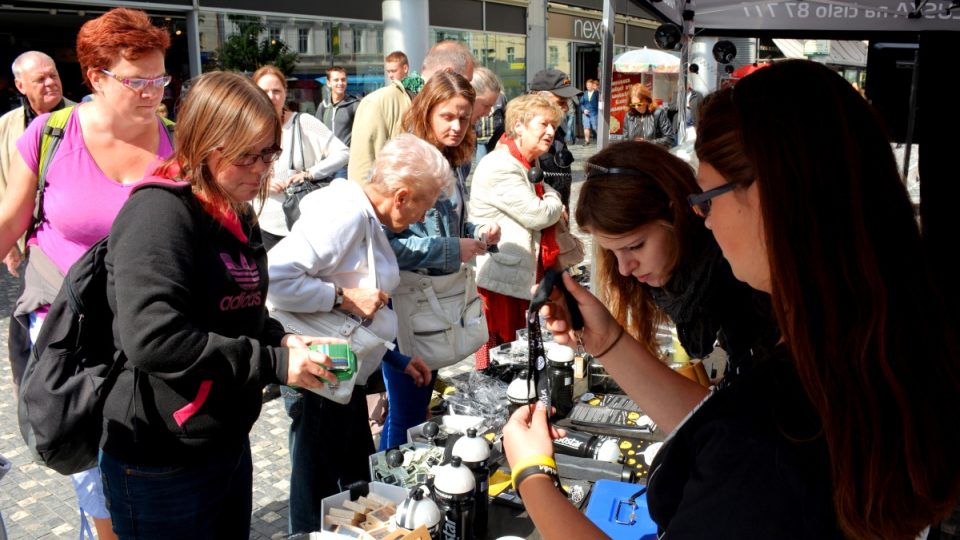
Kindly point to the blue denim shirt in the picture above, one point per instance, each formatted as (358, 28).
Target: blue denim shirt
(434, 243)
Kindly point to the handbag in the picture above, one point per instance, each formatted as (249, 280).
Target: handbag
(440, 317)
(572, 251)
(339, 324)
(295, 192)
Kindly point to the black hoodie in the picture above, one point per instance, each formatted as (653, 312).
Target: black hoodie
(188, 302)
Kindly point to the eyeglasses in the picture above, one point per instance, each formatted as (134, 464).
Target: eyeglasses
(138, 85)
(268, 156)
(701, 202)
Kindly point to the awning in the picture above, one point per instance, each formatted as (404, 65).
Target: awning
(837, 52)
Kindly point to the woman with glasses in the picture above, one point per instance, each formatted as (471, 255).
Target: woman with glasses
(108, 147)
(187, 282)
(655, 260)
(845, 429)
(310, 153)
(645, 120)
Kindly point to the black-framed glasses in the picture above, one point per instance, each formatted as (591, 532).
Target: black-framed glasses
(268, 156)
(138, 85)
(700, 202)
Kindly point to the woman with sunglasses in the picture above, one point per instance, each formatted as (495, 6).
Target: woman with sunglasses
(845, 430)
(646, 121)
(191, 322)
(109, 146)
(655, 260)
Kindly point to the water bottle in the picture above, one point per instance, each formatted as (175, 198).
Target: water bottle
(521, 391)
(419, 509)
(560, 373)
(454, 488)
(580, 444)
(475, 454)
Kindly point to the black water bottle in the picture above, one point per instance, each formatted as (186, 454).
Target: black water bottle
(454, 488)
(580, 444)
(475, 454)
(560, 373)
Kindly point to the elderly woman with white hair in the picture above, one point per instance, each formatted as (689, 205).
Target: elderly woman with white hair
(324, 264)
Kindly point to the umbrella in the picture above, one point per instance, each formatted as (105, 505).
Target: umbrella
(743, 71)
(646, 61)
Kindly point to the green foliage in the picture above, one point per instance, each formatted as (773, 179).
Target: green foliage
(245, 51)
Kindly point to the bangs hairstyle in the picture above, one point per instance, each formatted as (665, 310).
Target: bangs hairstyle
(441, 87)
(408, 161)
(119, 33)
(227, 111)
(617, 204)
(523, 108)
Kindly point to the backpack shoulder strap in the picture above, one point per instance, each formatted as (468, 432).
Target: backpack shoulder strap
(170, 126)
(50, 139)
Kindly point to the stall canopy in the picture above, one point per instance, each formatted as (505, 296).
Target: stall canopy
(647, 61)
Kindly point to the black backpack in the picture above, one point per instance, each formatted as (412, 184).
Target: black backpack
(71, 370)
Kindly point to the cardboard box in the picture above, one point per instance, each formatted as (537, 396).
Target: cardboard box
(394, 493)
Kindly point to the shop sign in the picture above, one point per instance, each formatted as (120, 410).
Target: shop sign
(588, 29)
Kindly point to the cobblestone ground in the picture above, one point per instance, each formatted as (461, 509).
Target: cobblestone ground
(36, 502)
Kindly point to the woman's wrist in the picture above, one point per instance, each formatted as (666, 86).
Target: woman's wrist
(613, 344)
(537, 465)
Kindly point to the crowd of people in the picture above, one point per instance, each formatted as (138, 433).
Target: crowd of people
(824, 405)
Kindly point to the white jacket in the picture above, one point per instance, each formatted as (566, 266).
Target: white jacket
(322, 151)
(326, 249)
(501, 194)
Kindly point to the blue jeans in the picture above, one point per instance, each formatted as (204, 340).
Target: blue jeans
(408, 405)
(207, 498)
(330, 445)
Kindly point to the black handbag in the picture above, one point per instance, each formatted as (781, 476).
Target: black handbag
(295, 192)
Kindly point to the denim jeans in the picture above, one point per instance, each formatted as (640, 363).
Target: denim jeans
(408, 405)
(207, 498)
(329, 448)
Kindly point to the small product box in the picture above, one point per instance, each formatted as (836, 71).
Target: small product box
(366, 517)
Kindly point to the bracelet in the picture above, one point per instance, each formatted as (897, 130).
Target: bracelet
(522, 474)
(612, 345)
(536, 459)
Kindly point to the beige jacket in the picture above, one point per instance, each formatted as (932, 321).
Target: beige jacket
(377, 121)
(11, 128)
(501, 194)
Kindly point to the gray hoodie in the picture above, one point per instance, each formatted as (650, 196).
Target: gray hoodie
(339, 117)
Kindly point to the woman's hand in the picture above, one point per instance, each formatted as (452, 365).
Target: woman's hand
(600, 328)
(13, 260)
(527, 433)
(297, 178)
(418, 370)
(306, 368)
(491, 234)
(470, 248)
(277, 185)
(364, 302)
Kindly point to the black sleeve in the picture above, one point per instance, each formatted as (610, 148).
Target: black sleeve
(664, 128)
(153, 267)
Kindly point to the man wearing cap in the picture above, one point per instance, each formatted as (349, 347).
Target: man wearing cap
(554, 84)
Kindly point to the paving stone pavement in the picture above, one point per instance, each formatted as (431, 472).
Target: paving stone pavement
(38, 503)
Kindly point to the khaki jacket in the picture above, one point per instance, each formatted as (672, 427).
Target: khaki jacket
(377, 121)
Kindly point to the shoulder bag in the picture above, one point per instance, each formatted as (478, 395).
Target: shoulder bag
(339, 324)
(297, 191)
(440, 318)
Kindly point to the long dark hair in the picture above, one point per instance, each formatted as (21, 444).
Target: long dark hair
(858, 309)
(442, 86)
(616, 204)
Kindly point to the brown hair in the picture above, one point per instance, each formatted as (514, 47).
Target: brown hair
(440, 88)
(227, 111)
(398, 56)
(268, 69)
(331, 69)
(642, 92)
(616, 204)
(119, 33)
(858, 308)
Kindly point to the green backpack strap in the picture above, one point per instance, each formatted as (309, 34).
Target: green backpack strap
(50, 139)
(170, 126)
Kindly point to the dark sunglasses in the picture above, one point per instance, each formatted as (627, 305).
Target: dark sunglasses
(700, 202)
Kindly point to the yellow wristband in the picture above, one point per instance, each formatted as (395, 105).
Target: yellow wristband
(531, 461)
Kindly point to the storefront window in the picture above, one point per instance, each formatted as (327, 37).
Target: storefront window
(504, 54)
(558, 56)
(320, 44)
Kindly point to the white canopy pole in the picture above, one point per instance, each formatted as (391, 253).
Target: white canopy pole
(606, 74)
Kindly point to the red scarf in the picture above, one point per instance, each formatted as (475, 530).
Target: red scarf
(549, 249)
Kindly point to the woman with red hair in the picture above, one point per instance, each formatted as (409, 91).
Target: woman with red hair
(109, 146)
